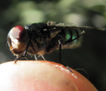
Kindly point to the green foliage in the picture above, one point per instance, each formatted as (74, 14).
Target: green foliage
(71, 12)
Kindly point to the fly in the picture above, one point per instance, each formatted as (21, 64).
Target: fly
(39, 39)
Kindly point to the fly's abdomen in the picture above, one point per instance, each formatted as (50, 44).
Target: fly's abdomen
(72, 38)
(72, 35)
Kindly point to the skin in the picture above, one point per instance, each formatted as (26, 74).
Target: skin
(41, 76)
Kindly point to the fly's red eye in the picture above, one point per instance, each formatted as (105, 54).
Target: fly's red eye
(21, 32)
(17, 32)
(19, 27)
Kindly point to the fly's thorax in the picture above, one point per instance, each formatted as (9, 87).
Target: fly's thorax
(36, 48)
(32, 48)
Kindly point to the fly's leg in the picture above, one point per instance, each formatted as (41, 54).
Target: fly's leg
(35, 57)
(28, 44)
(20, 57)
(60, 51)
(42, 57)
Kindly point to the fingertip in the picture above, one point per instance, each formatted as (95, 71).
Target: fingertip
(41, 76)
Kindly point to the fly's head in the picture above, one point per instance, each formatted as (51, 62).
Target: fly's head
(17, 40)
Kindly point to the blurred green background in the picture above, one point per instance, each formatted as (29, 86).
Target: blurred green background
(90, 58)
